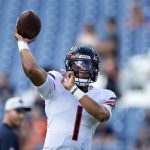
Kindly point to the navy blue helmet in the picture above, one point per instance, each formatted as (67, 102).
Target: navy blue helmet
(83, 57)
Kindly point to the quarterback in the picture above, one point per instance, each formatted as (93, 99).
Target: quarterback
(73, 109)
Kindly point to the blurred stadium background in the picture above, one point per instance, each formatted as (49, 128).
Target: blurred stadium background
(118, 29)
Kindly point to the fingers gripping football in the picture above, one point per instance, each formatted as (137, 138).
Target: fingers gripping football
(20, 38)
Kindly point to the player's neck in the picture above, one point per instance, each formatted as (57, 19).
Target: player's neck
(83, 88)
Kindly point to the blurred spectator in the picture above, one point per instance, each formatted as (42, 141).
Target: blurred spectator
(5, 92)
(140, 15)
(143, 139)
(5, 89)
(137, 16)
(105, 139)
(140, 76)
(110, 70)
(109, 45)
(89, 36)
(13, 117)
(36, 129)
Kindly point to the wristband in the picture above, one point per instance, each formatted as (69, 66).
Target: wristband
(76, 92)
(73, 89)
(22, 45)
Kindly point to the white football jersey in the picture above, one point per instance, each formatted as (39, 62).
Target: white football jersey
(69, 125)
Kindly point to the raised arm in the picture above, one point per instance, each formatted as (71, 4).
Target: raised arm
(36, 74)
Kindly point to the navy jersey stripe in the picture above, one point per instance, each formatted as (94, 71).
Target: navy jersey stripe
(77, 123)
(51, 75)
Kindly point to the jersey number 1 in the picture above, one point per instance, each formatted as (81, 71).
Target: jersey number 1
(77, 123)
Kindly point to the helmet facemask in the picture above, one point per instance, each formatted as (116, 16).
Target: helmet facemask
(84, 71)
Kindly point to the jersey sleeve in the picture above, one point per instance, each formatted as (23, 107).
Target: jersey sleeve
(50, 85)
(110, 101)
(47, 87)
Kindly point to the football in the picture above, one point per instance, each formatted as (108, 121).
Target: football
(28, 24)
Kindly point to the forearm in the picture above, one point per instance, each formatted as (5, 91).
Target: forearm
(28, 62)
(36, 74)
(98, 111)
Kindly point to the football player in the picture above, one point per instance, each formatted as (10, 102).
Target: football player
(73, 110)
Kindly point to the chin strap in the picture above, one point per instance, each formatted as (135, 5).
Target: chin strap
(82, 82)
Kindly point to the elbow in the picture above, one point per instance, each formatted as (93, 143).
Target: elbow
(30, 72)
(103, 116)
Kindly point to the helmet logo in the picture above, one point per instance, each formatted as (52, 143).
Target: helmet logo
(73, 56)
(85, 56)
